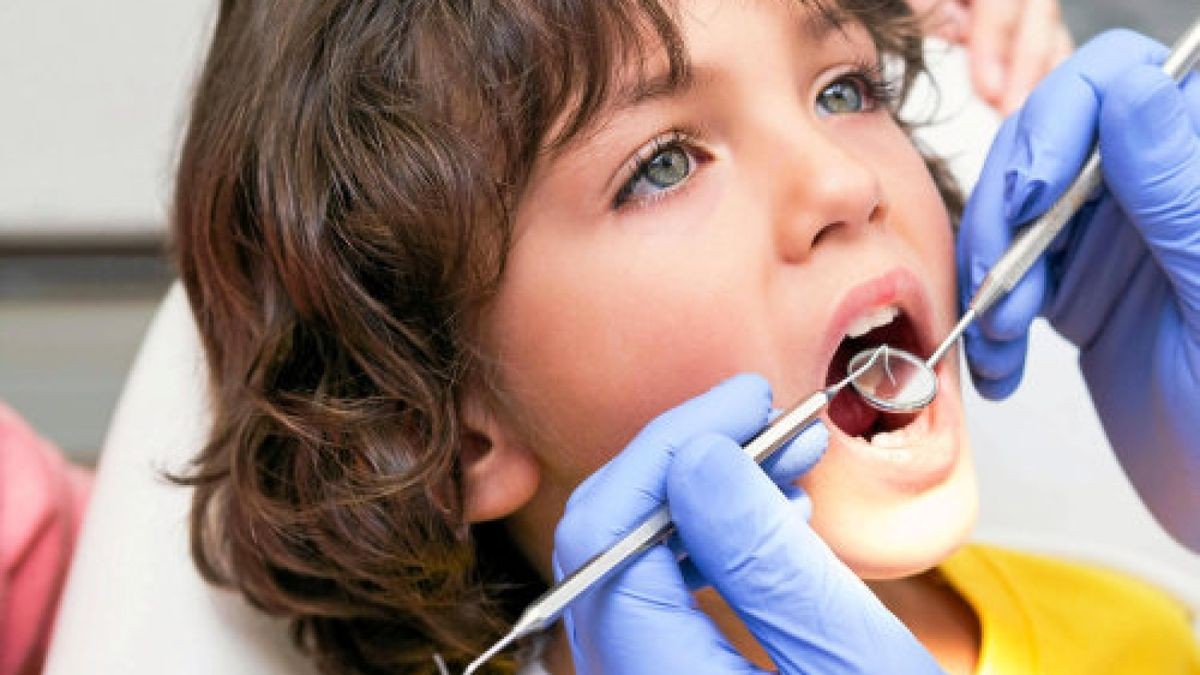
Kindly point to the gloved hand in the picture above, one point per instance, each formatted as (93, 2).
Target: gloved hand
(1123, 281)
(744, 537)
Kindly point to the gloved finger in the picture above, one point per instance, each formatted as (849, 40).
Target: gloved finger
(1190, 86)
(798, 456)
(625, 491)
(799, 500)
(1151, 156)
(1033, 51)
(996, 366)
(784, 468)
(1057, 125)
(999, 389)
(993, 24)
(983, 238)
(645, 615)
(1013, 313)
(807, 609)
(801, 505)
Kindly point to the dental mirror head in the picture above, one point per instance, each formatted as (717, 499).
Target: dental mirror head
(892, 380)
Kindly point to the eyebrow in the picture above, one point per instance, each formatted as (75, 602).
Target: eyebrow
(817, 24)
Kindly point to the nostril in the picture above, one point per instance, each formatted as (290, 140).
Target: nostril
(824, 232)
(879, 213)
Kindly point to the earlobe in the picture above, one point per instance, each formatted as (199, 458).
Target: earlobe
(500, 474)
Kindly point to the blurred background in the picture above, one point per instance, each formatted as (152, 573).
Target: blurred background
(93, 105)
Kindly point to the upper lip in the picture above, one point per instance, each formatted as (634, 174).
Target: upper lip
(899, 287)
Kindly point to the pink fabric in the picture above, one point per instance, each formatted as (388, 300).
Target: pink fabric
(42, 498)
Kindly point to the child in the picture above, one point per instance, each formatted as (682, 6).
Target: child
(447, 260)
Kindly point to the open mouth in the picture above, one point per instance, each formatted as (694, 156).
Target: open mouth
(848, 411)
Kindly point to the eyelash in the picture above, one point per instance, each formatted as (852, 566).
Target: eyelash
(880, 91)
(684, 139)
(877, 90)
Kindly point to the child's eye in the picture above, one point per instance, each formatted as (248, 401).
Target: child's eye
(842, 97)
(663, 167)
(862, 90)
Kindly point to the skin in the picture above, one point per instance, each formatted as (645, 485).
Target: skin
(608, 315)
(1012, 43)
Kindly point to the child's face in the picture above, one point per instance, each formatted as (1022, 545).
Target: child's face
(779, 205)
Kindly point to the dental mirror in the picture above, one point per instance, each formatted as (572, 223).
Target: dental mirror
(893, 381)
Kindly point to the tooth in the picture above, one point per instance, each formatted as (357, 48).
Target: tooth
(872, 320)
(903, 436)
(891, 439)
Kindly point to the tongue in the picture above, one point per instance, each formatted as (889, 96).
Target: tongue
(851, 414)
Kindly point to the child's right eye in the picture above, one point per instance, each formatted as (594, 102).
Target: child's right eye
(662, 168)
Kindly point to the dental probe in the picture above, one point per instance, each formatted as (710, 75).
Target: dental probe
(542, 612)
(1033, 240)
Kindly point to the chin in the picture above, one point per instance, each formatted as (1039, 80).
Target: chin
(898, 504)
(884, 538)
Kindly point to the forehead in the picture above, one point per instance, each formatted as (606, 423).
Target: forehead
(654, 79)
(655, 61)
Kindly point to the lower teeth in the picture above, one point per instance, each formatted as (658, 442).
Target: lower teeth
(891, 439)
(903, 436)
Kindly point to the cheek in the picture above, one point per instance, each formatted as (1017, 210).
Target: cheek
(933, 238)
(593, 341)
(919, 216)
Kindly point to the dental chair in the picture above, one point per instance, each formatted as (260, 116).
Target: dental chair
(134, 603)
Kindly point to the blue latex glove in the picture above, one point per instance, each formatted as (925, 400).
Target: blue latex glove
(1123, 282)
(744, 536)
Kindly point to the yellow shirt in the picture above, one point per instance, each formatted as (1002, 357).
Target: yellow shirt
(1043, 615)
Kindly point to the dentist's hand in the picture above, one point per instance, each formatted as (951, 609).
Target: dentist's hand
(1012, 44)
(1123, 281)
(744, 537)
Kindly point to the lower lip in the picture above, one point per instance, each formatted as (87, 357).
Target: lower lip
(926, 461)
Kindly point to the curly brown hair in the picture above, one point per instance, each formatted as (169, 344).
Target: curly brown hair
(341, 216)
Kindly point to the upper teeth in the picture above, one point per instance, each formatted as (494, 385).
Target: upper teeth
(872, 320)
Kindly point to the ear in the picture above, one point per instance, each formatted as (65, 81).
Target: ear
(500, 473)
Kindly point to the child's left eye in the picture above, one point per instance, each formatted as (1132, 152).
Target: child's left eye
(842, 97)
(859, 91)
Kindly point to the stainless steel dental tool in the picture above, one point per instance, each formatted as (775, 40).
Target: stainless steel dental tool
(894, 366)
(542, 613)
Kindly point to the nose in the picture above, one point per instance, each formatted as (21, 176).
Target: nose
(827, 189)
